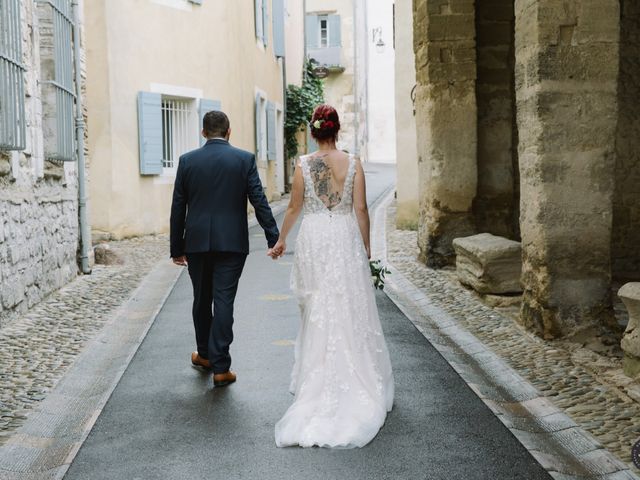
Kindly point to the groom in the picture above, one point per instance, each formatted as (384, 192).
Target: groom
(210, 235)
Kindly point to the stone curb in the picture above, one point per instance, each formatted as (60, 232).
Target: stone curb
(44, 447)
(564, 449)
(46, 444)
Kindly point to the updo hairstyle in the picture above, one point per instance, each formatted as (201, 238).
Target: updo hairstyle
(325, 123)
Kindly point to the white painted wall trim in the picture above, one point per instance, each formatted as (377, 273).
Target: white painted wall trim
(177, 4)
(176, 90)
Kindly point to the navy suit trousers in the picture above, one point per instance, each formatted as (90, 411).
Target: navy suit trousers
(214, 276)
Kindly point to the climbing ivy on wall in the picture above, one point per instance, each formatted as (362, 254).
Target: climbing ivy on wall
(300, 104)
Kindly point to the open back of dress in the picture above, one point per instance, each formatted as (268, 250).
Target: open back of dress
(325, 184)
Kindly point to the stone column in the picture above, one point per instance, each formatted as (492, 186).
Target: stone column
(566, 75)
(446, 121)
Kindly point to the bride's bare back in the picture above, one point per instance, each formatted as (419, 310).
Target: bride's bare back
(329, 172)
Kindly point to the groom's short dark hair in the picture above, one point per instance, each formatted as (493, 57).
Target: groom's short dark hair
(215, 124)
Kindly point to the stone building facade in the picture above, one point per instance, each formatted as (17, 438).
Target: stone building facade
(38, 181)
(527, 129)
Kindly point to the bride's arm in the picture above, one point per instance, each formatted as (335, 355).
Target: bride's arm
(360, 206)
(292, 213)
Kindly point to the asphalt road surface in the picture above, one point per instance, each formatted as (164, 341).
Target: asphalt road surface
(166, 421)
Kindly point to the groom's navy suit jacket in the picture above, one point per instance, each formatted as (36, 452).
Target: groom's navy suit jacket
(209, 209)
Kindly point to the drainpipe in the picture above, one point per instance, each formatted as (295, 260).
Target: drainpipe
(356, 78)
(85, 237)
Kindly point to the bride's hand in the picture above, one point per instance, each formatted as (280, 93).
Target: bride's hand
(278, 249)
(368, 252)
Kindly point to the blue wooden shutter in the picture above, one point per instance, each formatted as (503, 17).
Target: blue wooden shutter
(278, 28)
(271, 131)
(258, 122)
(259, 22)
(335, 35)
(265, 22)
(150, 133)
(312, 145)
(207, 106)
(311, 31)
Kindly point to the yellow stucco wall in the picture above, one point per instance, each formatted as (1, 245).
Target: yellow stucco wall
(134, 45)
(406, 148)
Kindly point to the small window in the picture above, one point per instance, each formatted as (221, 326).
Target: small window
(177, 130)
(12, 117)
(58, 91)
(324, 32)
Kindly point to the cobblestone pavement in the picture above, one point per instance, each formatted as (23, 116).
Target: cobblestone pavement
(38, 348)
(566, 373)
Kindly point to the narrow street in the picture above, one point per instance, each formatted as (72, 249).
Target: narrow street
(165, 421)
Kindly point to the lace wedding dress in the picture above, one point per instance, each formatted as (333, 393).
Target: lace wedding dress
(342, 378)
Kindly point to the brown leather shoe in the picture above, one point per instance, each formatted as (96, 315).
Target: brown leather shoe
(198, 361)
(222, 379)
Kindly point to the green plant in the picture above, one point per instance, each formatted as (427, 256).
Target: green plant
(378, 272)
(300, 104)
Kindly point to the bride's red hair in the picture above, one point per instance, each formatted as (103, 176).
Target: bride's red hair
(329, 123)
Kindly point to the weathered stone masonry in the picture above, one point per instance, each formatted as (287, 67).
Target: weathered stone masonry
(38, 199)
(528, 129)
(446, 120)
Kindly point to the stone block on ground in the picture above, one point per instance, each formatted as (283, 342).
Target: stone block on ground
(488, 263)
(105, 255)
(630, 295)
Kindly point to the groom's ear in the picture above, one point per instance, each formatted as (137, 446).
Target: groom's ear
(228, 135)
(203, 133)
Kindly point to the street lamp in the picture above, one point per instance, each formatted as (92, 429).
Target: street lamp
(377, 39)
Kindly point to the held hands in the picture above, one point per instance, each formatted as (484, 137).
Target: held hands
(180, 261)
(277, 250)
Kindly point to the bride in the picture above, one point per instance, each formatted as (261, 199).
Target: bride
(342, 378)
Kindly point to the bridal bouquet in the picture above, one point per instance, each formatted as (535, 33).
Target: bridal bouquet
(378, 271)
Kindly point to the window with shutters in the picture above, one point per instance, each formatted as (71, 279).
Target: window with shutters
(179, 130)
(261, 128)
(324, 32)
(12, 118)
(261, 21)
(324, 39)
(55, 20)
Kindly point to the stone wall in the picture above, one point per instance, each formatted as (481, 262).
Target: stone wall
(496, 204)
(626, 203)
(444, 46)
(566, 83)
(38, 200)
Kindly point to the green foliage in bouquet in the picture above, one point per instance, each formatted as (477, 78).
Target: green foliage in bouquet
(378, 271)
(300, 104)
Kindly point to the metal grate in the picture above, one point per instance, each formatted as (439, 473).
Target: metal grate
(177, 134)
(12, 118)
(62, 147)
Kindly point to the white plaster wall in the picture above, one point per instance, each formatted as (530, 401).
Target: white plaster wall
(380, 111)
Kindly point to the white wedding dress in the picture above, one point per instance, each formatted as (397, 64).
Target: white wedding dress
(342, 378)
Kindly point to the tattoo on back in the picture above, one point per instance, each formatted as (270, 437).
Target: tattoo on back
(323, 182)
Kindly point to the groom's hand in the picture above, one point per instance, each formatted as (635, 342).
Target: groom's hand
(181, 260)
(278, 250)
